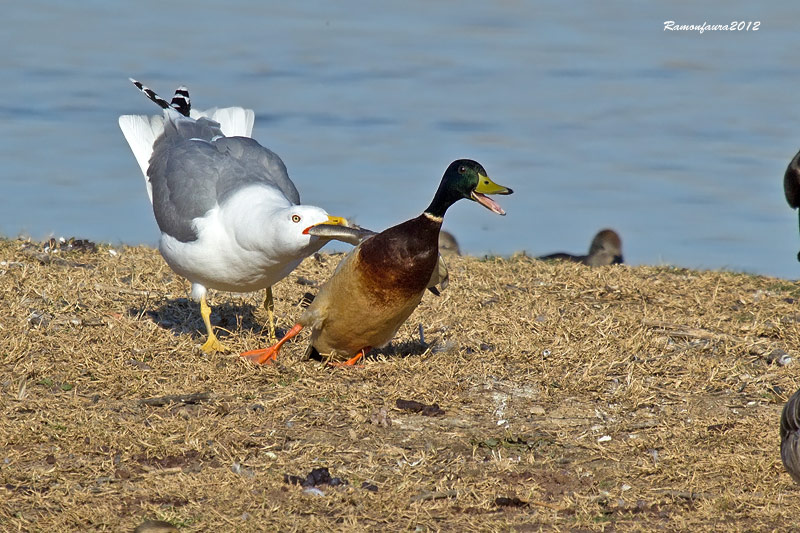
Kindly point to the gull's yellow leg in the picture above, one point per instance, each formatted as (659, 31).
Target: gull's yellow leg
(269, 305)
(212, 344)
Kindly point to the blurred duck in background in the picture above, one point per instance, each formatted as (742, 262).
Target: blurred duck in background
(448, 245)
(606, 249)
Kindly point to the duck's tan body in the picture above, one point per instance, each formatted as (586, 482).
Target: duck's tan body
(373, 290)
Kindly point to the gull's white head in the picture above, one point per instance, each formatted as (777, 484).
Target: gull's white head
(292, 225)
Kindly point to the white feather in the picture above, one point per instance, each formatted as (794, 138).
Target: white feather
(141, 131)
(233, 121)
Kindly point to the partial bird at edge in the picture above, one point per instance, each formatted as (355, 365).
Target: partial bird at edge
(790, 436)
(791, 186)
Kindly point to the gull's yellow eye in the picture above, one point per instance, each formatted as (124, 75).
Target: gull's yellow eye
(295, 218)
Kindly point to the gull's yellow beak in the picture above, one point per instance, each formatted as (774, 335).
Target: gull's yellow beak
(332, 221)
(338, 221)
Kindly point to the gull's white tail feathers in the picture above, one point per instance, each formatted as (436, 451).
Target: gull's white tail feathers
(141, 131)
(233, 121)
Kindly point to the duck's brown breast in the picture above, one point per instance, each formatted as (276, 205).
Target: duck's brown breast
(396, 265)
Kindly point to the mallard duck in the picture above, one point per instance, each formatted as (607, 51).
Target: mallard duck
(230, 217)
(606, 249)
(378, 284)
(448, 245)
(790, 436)
(791, 185)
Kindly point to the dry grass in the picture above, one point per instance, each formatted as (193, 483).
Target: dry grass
(607, 399)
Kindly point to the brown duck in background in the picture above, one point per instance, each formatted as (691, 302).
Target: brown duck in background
(791, 186)
(790, 436)
(448, 245)
(606, 249)
(378, 285)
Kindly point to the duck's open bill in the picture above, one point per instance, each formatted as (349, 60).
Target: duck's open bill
(487, 186)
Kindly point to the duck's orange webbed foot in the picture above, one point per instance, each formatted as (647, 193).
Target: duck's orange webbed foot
(353, 360)
(267, 355)
(262, 356)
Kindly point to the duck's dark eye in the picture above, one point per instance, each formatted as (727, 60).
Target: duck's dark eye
(462, 169)
(295, 218)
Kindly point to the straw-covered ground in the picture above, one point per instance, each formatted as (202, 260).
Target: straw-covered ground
(570, 398)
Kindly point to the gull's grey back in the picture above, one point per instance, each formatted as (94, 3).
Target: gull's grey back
(194, 167)
(260, 161)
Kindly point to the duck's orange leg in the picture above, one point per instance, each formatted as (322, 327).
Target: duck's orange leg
(267, 355)
(353, 360)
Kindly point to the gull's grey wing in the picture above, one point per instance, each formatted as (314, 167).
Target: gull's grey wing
(193, 169)
(259, 161)
(184, 180)
(179, 129)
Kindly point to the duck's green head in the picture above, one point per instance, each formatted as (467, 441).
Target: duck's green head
(465, 178)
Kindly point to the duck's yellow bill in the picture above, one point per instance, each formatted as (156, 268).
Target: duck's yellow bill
(487, 186)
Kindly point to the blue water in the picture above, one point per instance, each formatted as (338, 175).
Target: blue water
(589, 110)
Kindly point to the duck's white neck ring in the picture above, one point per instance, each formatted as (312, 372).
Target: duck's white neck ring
(434, 218)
